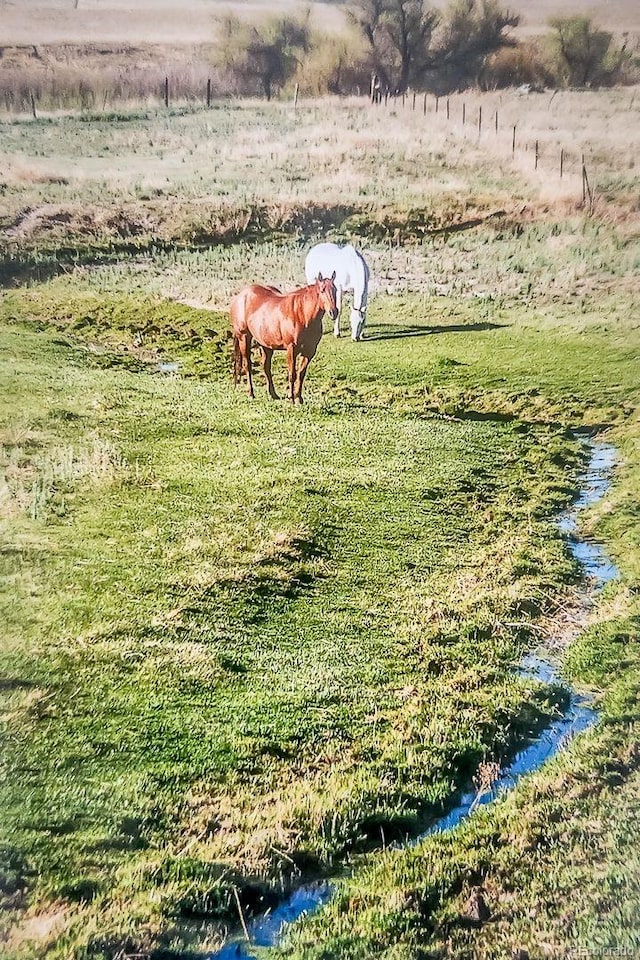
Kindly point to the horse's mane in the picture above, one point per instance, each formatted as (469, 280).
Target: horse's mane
(300, 293)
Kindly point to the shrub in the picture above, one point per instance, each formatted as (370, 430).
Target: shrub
(263, 56)
(584, 55)
(336, 65)
(515, 66)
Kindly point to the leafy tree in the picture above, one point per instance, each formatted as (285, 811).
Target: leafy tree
(266, 54)
(399, 34)
(584, 52)
(412, 44)
(473, 30)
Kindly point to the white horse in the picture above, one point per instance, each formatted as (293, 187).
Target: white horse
(351, 273)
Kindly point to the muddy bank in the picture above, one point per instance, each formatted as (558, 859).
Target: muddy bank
(40, 242)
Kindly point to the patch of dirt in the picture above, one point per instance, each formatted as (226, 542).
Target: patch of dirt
(34, 222)
(37, 927)
(568, 622)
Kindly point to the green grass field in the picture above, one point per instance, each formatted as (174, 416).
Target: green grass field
(245, 643)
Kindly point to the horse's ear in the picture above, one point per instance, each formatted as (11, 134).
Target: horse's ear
(333, 275)
(319, 278)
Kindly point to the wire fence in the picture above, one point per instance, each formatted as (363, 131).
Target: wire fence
(481, 122)
(486, 126)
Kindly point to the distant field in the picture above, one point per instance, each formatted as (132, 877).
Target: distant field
(147, 22)
(155, 21)
(615, 15)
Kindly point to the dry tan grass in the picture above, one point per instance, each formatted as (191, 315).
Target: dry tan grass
(36, 929)
(163, 21)
(146, 21)
(602, 126)
(338, 151)
(615, 15)
(30, 480)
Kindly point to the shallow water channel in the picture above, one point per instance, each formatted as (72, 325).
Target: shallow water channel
(268, 929)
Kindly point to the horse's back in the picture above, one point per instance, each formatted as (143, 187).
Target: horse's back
(248, 301)
(266, 314)
(324, 258)
(326, 249)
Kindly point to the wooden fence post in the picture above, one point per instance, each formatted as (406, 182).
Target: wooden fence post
(513, 141)
(561, 163)
(437, 102)
(464, 114)
(424, 105)
(447, 108)
(586, 189)
(479, 120)
(535, 166)
(33, 107)
(209, 92)
(295, 98)
(589, 193)
(166, 91)
(413, 106)
(496, 121)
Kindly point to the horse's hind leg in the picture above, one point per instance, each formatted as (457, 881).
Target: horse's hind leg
(245, 351)
(266, 363)
(237, 360)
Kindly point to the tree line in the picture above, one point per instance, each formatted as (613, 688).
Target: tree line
(410, 44)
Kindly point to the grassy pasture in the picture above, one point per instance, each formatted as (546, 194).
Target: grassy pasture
(244, 643)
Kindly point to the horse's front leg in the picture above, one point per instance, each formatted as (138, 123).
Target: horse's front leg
(267, 356)
(302, 370)
(291, 370)
(336, 325)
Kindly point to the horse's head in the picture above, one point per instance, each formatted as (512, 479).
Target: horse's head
(327, 292)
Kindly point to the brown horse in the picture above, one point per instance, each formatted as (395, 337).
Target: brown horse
(280, 321)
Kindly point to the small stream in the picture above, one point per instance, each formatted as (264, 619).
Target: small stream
(268, 929)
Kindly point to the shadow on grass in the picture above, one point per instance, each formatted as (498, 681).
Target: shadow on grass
(400, 333)
(9, 684)
(480, 416)
(22, 271)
